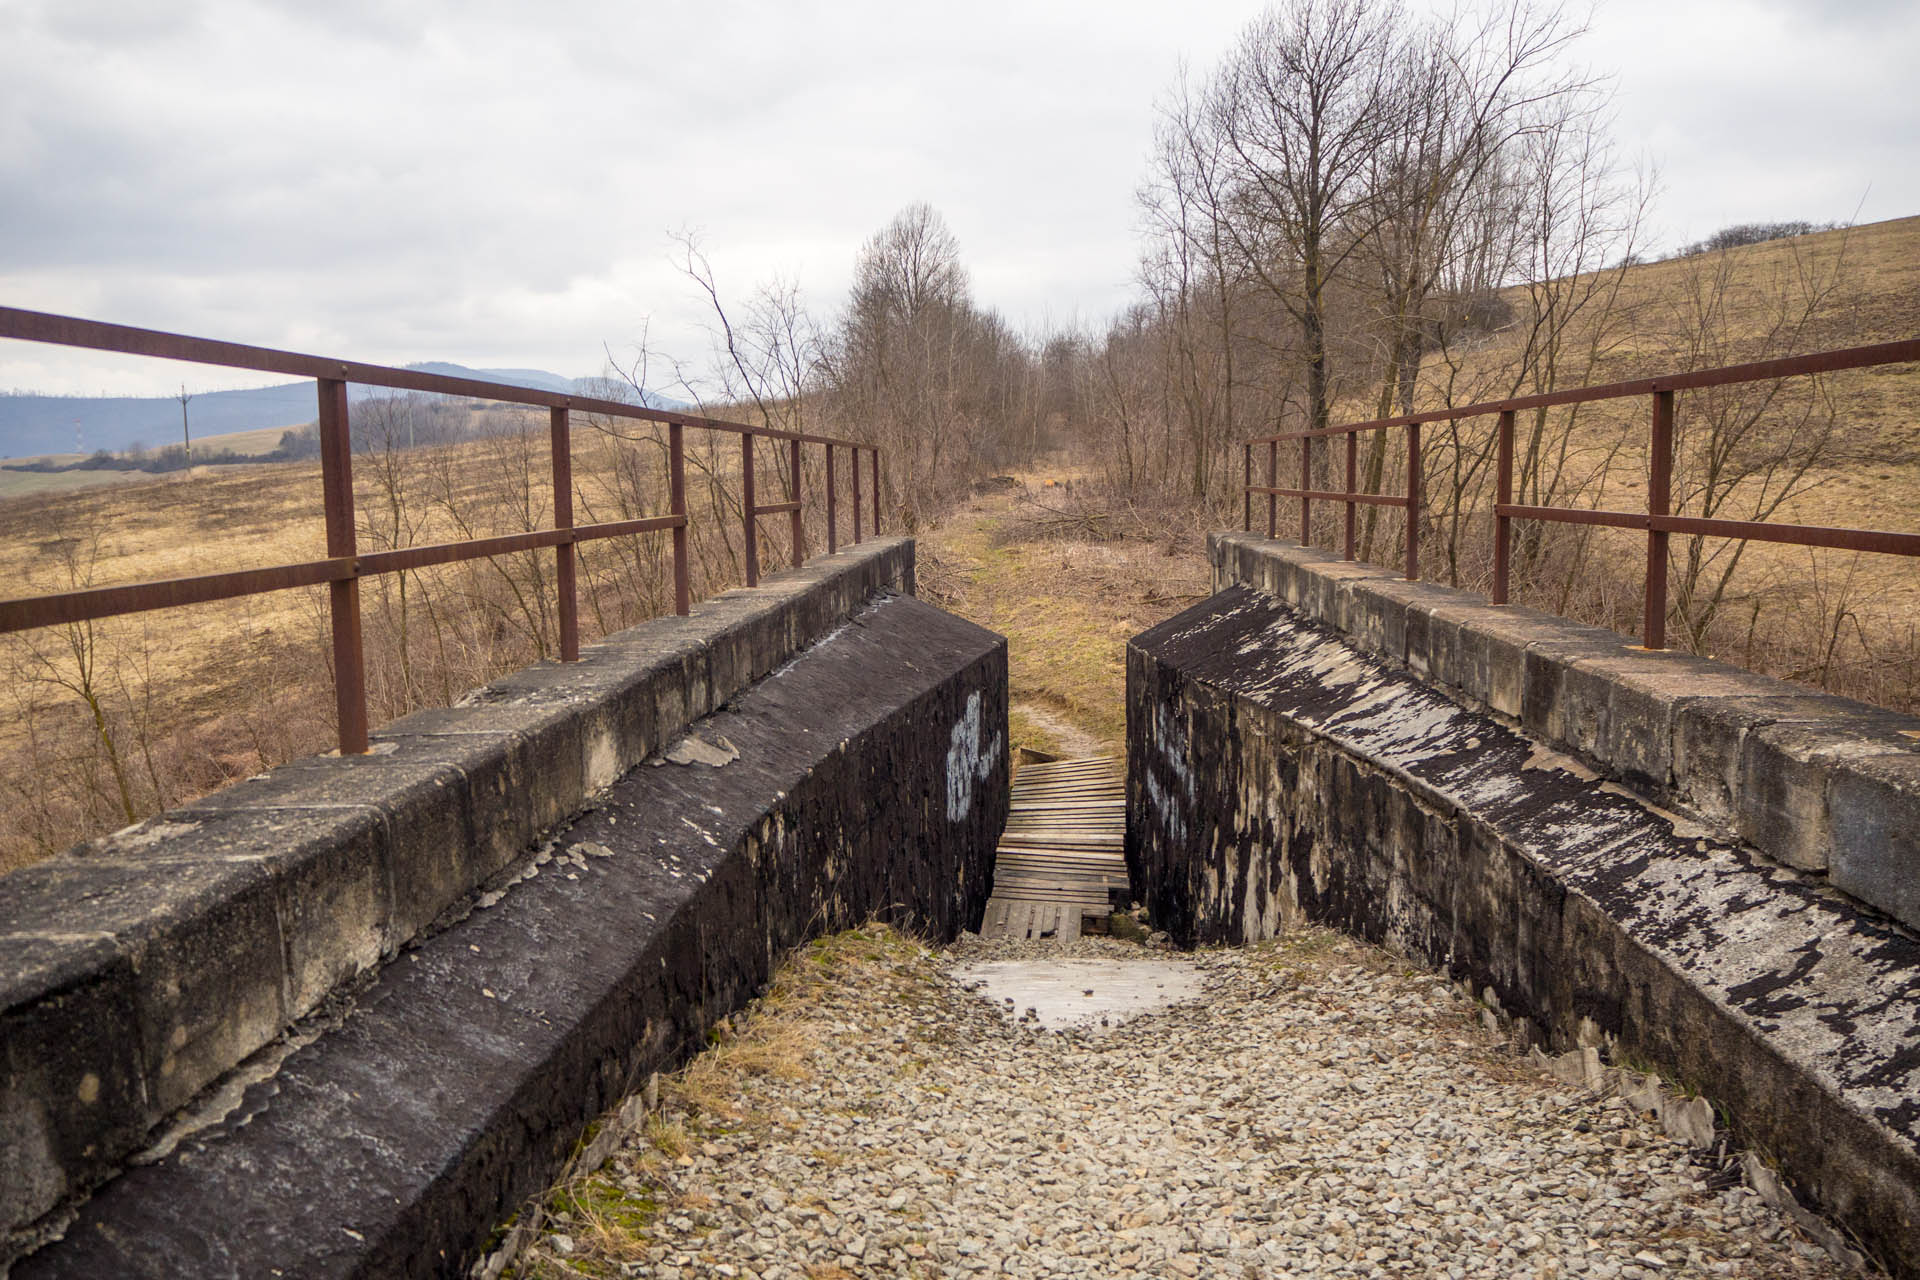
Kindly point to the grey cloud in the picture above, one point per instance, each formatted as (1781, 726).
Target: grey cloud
(493, 182)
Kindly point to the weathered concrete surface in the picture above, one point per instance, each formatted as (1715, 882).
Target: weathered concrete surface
(870, 781)
(1817, 782)
(1279, 772)
(1093, 995)
(139, 968)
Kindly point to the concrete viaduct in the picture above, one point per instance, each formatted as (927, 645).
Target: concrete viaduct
(343, 1018)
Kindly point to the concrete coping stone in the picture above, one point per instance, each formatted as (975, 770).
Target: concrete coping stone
(1820, 783)
(1277, 771)
(140, 967)
(457, 1083)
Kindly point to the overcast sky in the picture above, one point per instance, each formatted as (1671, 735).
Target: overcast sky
(495, 182)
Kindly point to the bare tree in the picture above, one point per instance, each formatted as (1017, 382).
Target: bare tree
(1744, 452)
(1300, 108)
(949, 389)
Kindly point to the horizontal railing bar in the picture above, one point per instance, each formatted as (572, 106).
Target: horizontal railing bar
(479, 548)
(1799, 535)
(143, 597)
(777, 508)
(616, 528)
(96, 335)
(377, 562)
(1371, 499)
(1802, 535)
(1758, 371)
(1571, 515)
(140, 597)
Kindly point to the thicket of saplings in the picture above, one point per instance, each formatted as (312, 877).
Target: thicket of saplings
(1448, 226)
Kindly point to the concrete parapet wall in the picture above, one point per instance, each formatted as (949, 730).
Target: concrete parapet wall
(1279, 770)
(1820, 783)
(870, 780)
(138, 969)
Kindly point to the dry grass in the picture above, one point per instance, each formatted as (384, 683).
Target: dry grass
(1066, 603)
(26, 484)
(102, 724)
(1843, 621)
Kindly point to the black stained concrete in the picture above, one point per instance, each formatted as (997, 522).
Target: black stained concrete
(1278, 772)
(871, 782)
(141, 967)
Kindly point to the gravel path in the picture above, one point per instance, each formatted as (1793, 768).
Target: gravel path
(1323, 1111)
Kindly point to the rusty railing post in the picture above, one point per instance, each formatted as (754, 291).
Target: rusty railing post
(563, 575)
(857, 504)
(1659, 500)
(876, 493)
(1413, 502)
(677, 505)
(1306, 483)
(1353, 487)
(343, 594)
(799, 533)
(1273, 482)
(1502, 497)
(747, 505)
(833, 532)
(1246, 487)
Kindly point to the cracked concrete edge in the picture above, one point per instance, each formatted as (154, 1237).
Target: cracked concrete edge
(1817, 782)
(1340, 789)
(459, 1082)
(140, 967)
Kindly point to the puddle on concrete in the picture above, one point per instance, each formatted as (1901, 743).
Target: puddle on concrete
(1095, 994)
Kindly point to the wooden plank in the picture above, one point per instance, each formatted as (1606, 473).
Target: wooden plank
(1026, 885)
(1040, 841)
(1090, 887)
(1062, 853)
(1018, 865)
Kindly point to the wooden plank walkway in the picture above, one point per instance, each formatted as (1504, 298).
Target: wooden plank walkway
(1064, 849)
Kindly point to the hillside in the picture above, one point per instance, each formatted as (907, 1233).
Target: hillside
(1841, 450)
(35, 425)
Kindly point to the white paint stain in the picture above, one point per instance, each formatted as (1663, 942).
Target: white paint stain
(968, 762)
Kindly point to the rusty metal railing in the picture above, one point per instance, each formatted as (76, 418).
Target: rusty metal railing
(1658, 520)
(344, 565)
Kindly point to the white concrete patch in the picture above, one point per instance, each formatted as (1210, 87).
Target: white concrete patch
(1054, 995)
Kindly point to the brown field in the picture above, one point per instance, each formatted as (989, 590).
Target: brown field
(21, 484)
(104, 723)
(25, 484)
(1836, 618)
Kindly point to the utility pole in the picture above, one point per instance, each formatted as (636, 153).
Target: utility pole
(186, 436)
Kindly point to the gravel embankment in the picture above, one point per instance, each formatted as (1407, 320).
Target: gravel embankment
(1323, 1111)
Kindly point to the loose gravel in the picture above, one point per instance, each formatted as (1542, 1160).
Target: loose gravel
(1322, 1110)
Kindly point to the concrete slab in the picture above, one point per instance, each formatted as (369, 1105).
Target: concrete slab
(1093, 995)
(457, 1084)
(137, 969)
(1278, 772)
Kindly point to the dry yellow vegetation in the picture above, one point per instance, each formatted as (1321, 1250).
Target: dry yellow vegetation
(106, 722)
(1024, 562)
(1841, 449)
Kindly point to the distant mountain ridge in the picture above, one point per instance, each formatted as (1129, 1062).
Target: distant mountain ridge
(31, 425)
